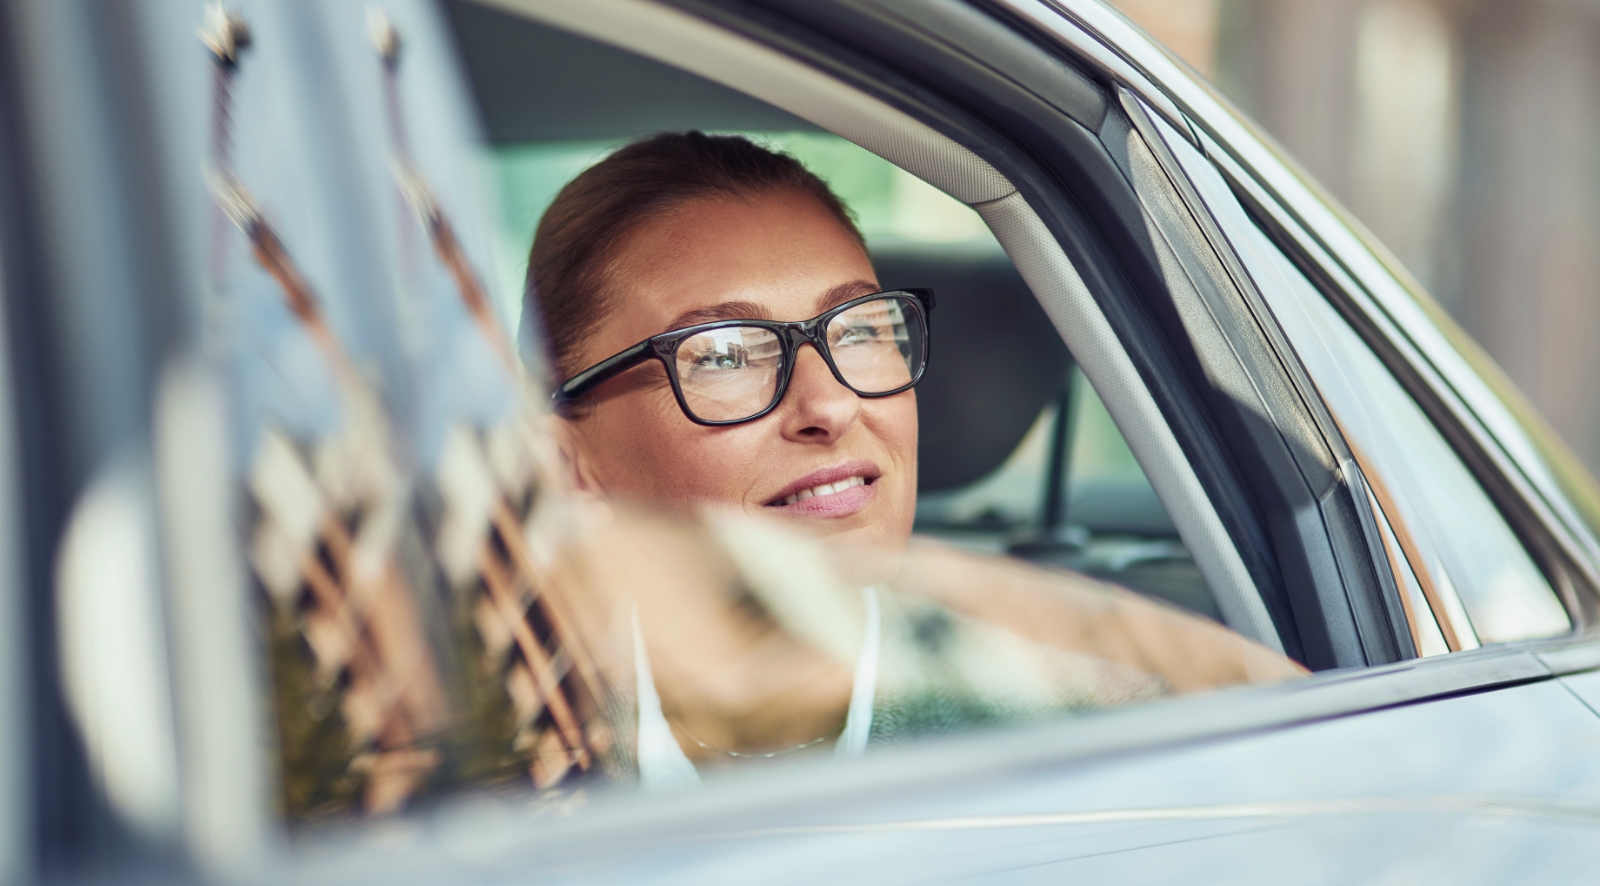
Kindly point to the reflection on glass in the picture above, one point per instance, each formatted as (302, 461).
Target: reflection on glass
(326, 513)
(1505, 595)
(409, 646)
(742, 643)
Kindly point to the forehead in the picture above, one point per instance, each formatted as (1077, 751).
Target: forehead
(782, 252)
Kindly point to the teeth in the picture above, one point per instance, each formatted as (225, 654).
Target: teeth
(825, 489)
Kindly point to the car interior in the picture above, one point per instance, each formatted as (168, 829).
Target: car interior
(1018, 453)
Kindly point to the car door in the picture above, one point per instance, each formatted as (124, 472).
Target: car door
(1371, 774)
(353, 153)
(1444, 764)
(1458, 780)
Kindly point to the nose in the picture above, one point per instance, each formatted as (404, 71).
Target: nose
(817, 408)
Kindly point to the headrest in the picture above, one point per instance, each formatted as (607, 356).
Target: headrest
(995, 359)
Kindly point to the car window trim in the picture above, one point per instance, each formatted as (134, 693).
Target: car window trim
(1077, 154)
(1261, 171)
(1526, 509)
(1408, 369)
(1253, 161)
(1370, 589)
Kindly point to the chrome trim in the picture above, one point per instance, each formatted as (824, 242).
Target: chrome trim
(1498, 808)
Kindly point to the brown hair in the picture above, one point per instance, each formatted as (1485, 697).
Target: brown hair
(570, 263)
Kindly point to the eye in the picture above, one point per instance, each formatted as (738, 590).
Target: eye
(734, 357)
(858, 332)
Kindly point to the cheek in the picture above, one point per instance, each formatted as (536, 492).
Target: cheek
(894, 422)
(649, 452)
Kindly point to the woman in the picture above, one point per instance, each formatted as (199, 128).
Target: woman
(680, 230)
(721, 340)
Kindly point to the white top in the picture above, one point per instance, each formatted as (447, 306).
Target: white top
(663, 766)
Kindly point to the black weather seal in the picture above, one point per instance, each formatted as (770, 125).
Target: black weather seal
(1354, 544)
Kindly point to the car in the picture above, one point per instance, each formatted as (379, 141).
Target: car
(278, 512)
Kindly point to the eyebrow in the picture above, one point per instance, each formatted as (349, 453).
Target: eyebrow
(728, 310)
(746, 310)
(842, 293)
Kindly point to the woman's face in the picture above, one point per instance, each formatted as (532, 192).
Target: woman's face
(777, 256)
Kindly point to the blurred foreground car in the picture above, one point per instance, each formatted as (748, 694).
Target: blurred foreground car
(276, 514)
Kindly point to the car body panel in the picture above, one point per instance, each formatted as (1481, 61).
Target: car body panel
(1472, 788)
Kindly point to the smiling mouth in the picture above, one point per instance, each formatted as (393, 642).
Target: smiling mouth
(821, 490)
(840, 488)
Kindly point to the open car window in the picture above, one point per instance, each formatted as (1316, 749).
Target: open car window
(431, 612)
(1018, 455)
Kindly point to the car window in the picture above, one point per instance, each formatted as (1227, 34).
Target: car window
(1017, 454)
(436, 610)
(1001, 469)
(1480, 582)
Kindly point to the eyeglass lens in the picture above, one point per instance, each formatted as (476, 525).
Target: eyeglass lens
(732, 372)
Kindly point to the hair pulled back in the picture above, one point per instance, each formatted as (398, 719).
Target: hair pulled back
(574, 247)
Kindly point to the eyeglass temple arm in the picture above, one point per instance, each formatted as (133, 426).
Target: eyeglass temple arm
(601, 372)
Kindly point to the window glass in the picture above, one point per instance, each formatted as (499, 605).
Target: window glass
(1481, 583)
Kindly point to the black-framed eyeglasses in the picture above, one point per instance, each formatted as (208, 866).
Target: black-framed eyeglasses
(733, 371)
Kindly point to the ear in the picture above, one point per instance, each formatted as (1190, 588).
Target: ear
(574, 456)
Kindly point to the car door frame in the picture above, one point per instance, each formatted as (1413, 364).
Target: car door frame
(1267, 454)
(1357, 275)
(1413, 337)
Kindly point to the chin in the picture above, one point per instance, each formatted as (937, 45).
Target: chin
(868, 558)
(868, 549)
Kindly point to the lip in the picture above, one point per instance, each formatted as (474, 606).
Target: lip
(839, 504)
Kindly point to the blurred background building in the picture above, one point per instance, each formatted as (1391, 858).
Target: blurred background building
(1464, 133)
